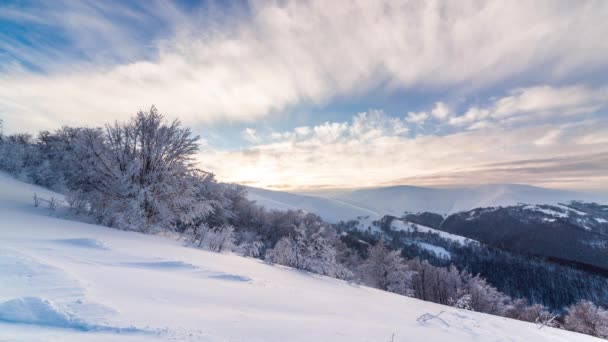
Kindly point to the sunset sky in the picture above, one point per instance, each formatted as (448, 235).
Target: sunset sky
(324, 94)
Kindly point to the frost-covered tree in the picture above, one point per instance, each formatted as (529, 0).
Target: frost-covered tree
(221, 238)
(18, 155)
(321, 258)
(385, 269)
(520, 309)
(485, 297)
(140, 174)
(309, 251)
(587, 318)
(439, 284)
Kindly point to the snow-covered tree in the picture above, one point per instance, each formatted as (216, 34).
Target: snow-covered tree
(308, 251)
(140, 174)
(292, 250)
(220, 238)
(321, 258)
(438, 284)
(520, 309)
(385, 269)
(587, 318)
(249, 244)
(485, 297)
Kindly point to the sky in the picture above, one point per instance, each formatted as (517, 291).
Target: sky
(298, 95)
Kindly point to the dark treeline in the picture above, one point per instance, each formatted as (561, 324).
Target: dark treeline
(141, 175)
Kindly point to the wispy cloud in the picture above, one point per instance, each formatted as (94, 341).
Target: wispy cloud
(370, 151)
(282, 55)
(250, 135)
(534, 103)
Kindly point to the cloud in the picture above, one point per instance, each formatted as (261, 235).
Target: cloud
(542, 100)
(473, 114)
(593, 138)
(250, 135)
(417, 118)
(302, 131)
(277, 55)
(364, 126)
(549, 138)
(441, 110)
(369, 151)
(534, 103)
(578, 172)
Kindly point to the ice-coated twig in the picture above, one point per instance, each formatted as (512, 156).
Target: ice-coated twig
(427, 317)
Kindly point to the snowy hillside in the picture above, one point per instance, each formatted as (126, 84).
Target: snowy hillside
(68, 281)
(331, 210)
(398, 224)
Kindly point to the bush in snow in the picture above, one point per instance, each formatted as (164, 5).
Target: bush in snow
(587, 318)
(307, 251)
(521, 310)
(385, 269)
(249, 244)
(217, 239)
(485, 297)
(220, 239)
(251, 249)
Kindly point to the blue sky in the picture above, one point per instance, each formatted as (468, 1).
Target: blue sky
(299, 95)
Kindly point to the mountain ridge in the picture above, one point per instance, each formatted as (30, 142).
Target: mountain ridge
(395, 200)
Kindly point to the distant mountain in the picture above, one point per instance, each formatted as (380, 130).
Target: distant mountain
(336, 205)
(395, 200)
(573, 233)
(330, 210)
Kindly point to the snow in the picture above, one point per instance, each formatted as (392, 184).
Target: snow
(33, 310)
(439, 251)
(68, 281)
(578, 212)
(330, 210)
(600, 220)
(398, 224)
(545, 211)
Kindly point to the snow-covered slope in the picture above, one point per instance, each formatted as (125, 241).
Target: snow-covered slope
(398, 224)
(68, 281)
(395, 200)
(331, 210)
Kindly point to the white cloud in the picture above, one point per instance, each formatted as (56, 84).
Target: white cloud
(480, 125)
(250, 135)
(549, 138)
(290, 53)
(473, 114)
(556, 101)
(441, 111)
(593, 138)
(417, 117)
(534, 103)
(302, 131)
